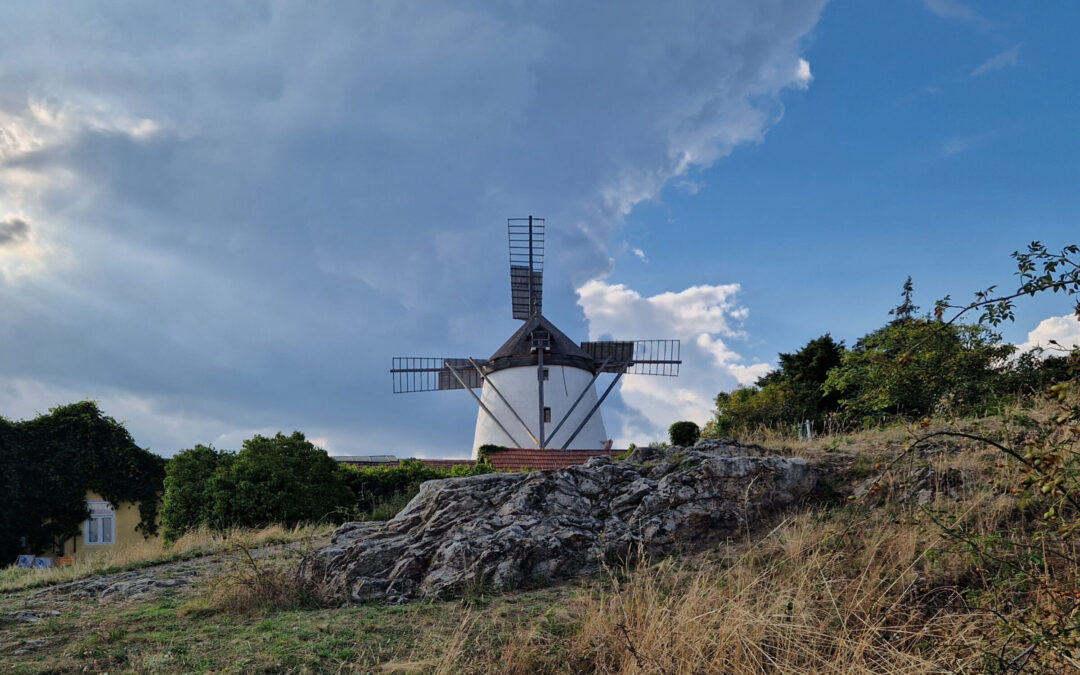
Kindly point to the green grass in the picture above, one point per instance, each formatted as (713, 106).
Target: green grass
(161, 636)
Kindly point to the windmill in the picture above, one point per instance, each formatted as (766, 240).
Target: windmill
(539, 388)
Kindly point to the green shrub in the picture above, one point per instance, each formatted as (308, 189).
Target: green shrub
(188, 504)
(377, 485)
(283, 479)
(684, 433)
(485, 451)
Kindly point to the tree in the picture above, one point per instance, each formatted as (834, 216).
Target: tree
(804, 373)
(907, 309)
(188, 503)
(786, 396)
(283, 479)
(684, 433)
(750, 408)
(912, 367)
(49, 463)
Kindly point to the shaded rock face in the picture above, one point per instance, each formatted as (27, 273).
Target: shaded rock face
(505, 530)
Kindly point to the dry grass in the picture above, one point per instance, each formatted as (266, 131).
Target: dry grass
(814, 596)
(249, 585)
(874, 586)
(814, 602)
(154, 551)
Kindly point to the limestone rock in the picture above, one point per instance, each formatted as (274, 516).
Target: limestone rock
(34, 616)
(506, 530)
(123, 585)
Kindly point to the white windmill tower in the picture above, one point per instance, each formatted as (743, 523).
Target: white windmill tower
(540, 385)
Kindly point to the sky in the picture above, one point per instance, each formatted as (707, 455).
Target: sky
(225, 218)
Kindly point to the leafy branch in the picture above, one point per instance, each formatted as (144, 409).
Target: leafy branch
(1039, 270)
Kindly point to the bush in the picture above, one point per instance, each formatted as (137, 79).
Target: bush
(684, 433)
(485, 451)
(376, 487)
(284, 479)
(280, 480)
(785, 397)
(188, 504)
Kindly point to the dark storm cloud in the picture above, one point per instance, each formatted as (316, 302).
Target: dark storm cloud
(252, 206)
(13, 230)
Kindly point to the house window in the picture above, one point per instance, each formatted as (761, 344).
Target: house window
(545, 374)
(547, 414)
(100, 528)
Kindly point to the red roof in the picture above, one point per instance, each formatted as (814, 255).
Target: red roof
(519, 459)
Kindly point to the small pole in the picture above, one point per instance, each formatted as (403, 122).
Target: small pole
(531, 299)
(540, 377)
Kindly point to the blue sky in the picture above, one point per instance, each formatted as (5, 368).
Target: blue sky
(226, 219)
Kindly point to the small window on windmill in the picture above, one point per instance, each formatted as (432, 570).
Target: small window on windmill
(541, 339)
(547, 414)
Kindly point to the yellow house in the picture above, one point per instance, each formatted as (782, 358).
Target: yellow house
(106, 528)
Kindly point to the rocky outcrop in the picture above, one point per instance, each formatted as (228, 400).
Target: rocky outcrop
(122, 585)
(506, 530)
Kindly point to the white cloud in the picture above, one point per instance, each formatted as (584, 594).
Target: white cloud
(960, 144)
(803, 77)
(1065, 330)
(954, 9)
(687, 186)
(705, 318)
(640, 254)
(1005, 59)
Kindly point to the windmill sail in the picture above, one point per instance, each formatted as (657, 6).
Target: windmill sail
(418, 373)
(638, 357)
(526, 236)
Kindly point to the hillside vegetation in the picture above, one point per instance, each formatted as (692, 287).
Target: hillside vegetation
(924, 559)
(944, 537)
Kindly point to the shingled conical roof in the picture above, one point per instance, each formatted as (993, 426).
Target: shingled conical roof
(517, 351)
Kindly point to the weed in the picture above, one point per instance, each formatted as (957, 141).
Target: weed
(248, 585)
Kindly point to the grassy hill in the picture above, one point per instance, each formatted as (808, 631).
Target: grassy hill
(909, 561)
